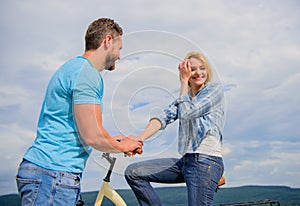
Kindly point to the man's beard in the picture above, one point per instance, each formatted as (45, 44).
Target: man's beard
(111, 68)
(109, 63)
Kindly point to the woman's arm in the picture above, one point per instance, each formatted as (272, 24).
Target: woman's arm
(153, 126)
(171, 114)
(184, 74)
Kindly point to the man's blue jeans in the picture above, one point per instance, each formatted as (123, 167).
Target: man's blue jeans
(39, 186)
(201, 174)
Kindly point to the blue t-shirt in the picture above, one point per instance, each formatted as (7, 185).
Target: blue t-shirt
(58, 145)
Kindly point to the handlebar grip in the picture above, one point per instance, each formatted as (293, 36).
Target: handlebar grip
(138, 151)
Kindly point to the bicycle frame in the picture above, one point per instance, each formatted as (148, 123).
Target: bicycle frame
(106, 190)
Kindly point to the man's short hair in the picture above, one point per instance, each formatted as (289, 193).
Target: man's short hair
(97, 31)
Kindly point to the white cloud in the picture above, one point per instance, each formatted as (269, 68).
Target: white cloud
(274, 163)
(15, 140)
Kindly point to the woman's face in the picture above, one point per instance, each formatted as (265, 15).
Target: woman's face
(199, 73)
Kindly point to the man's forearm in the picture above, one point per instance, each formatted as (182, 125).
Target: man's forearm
(89, 122)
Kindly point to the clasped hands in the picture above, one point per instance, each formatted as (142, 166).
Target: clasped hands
(135, 145)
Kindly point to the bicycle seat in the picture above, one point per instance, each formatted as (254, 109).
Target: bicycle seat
(221, 181)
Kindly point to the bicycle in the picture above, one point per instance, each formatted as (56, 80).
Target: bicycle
(107, 191)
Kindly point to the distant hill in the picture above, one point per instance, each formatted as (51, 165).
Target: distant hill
(176, 196)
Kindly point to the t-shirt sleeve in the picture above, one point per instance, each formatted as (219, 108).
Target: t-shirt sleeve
(88, 88)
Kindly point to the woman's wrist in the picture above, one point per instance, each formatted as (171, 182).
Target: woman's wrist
(184, 88)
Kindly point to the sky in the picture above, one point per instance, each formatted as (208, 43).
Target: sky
(253, 46)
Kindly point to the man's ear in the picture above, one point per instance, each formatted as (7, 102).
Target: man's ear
(107, 40)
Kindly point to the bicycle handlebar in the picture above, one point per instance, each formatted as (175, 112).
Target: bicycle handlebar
(112, 161)
(108, 157)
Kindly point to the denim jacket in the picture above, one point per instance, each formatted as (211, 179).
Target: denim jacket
(198, 116)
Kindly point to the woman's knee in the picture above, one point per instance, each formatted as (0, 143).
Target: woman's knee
(130, 171)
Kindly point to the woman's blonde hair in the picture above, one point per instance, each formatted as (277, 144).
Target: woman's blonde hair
(202, 58)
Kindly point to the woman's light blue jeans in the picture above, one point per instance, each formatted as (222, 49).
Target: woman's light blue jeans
(39, 186)
(201, 174)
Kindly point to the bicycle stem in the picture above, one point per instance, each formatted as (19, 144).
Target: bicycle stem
(112, 161)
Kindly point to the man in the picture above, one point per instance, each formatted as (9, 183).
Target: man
(70, 122)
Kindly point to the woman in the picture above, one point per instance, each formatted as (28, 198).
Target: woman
(201, 116)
